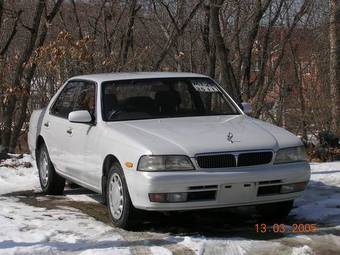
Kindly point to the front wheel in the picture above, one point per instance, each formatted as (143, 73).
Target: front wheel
(51, 183)
(278, 210)
(119, 203)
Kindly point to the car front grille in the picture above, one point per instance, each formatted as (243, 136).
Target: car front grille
(255, 158)
(216, 161)
(234, 159)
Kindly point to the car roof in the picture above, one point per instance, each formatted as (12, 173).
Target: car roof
(102, 77)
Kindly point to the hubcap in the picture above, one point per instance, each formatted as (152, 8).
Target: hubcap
(43, 168)
(116, 196)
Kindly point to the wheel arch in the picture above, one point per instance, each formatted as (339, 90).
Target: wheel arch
(40, 141)
(109, 160)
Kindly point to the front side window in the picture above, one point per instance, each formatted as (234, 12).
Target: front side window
(64, 103)
(163, 98)
(85, 100)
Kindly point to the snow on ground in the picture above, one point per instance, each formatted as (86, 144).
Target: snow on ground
(26, 229)
(29, 229)
(321, 200)
(14, 176)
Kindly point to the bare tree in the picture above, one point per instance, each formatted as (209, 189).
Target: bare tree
(23, 75)
(260, 9)
(176, 32)
(209, 42)
(249, 46)
(12, 98)
(261, 88)
(30, 70)
(75, 12)
(127, 40)
(227, 74)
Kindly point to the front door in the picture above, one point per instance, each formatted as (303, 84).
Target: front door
(55, 125)
(79, 135)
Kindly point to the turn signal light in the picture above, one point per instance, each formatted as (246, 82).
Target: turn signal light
(293, 187)
(168, 197)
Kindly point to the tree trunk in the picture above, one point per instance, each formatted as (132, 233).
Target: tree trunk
(208, 42)
(128, 37)
(259, 11)
(227, 74)
(1, 12)
(75, 12)
(334, 35)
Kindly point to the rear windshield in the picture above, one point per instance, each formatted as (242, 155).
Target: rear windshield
(163, 98)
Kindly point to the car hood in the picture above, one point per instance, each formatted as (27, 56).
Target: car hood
(194, 135)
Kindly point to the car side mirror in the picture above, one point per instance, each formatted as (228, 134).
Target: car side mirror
(80, 117)
(247, 109)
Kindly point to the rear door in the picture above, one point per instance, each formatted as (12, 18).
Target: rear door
(56, 126)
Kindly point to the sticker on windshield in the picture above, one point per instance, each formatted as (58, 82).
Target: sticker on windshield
(204, 86)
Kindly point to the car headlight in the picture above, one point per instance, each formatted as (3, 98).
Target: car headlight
(164, 163)
(293, 154)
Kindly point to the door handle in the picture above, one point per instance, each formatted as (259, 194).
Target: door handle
(47, 124)
(69, 131)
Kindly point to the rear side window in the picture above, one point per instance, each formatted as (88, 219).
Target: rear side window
(65, 101)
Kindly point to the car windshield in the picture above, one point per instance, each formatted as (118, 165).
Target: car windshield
(163, 98)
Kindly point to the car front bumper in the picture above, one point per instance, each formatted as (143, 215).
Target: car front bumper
(231, 187)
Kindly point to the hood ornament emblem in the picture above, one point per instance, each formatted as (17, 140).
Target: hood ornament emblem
(230, 137)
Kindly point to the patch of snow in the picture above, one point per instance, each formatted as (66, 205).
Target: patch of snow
(81, 198)
(157, 250)
(232, 246)
(107, 251)
(15, 177)
(304, 250)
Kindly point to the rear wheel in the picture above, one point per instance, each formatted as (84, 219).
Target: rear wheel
(51, 183)
(118, 199)
(275, 210)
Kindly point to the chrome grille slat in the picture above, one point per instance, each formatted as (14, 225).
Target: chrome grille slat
(237, 159)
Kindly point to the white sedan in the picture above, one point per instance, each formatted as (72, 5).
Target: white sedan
(164, 142)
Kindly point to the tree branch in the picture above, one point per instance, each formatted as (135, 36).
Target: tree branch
(174, 36)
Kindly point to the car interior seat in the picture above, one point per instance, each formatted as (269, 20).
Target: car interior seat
(168, 101)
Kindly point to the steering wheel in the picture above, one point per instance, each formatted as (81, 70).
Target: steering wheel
(120, 109)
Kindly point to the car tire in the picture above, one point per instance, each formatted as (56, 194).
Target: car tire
(51, 183)
(278, 210)
(118, 200)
